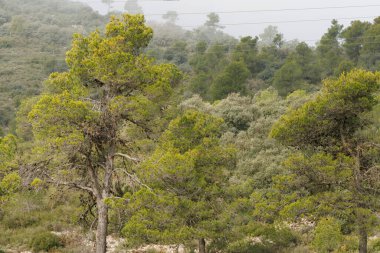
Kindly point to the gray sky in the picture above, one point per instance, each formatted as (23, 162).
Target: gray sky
(302, 30)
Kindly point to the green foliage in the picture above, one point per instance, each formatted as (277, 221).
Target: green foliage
(336, 181)
(264, 238)
(336, 110)
(112, 88)
(248, 122)
(208, 62)
(194, 183)
(8, 148)
(176, 53)
(188, 174)
(237, 111)
(288, 78)
(69, 113)
(354, 36)
(212, 20)
(299, 68)
(247, 52)
(10, 181)
(349, 244)
(19, 220)
(34, 37)
(45, 242)
(328, 236)
(231, 80)
(10, 184)
(329, 51)
(132, 7)
(154, 219)
(375, 245)
(369, 54)
(29, 213)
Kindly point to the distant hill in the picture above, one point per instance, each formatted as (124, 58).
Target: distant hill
(34, 35)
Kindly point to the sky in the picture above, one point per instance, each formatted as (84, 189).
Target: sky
(250, 17)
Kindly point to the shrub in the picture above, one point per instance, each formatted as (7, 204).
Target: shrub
(375, 245)
(45, 241)
(245, 246)
(328, 236)
(349, 244)
(19, 220)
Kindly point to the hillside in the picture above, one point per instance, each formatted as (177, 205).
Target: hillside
(34, 36)
(135, 135)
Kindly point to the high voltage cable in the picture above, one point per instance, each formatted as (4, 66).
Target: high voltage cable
(267, 22)
(288, 21)
(270, 10)
(248, 11)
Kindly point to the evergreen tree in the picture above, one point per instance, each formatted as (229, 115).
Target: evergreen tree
(336, 130)
(78, 123)
(353, 39)
(231, 80)
(329, 50)
(189, 173)
(369, 54)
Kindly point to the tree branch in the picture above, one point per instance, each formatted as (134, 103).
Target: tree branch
(133, 159)
(136, 179)
(344, 142)
(71, 185)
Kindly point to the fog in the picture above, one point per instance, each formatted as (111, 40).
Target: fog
(302, 26)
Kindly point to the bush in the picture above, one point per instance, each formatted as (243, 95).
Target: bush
(374, 245)
(245, 246)
(45, 241)
(328, 236)
(349, 244)
(19, 220)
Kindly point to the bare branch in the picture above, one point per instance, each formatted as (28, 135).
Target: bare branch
(370, 144)
(136, 179)
(70, 184)
(133, 159)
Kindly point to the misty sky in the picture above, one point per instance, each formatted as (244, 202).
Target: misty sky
(304, 31)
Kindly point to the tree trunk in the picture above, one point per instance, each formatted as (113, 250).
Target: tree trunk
(363, 237)
(202, 245)
(101, 231)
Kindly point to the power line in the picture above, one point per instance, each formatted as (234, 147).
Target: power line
(268, 22)
(271, 10)
(246, 11)
(289, 21)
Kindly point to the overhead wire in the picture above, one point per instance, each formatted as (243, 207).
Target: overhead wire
(290, 21)
(244, 11)
(273, 22)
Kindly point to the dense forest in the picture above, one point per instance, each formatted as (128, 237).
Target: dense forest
(119, 135)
